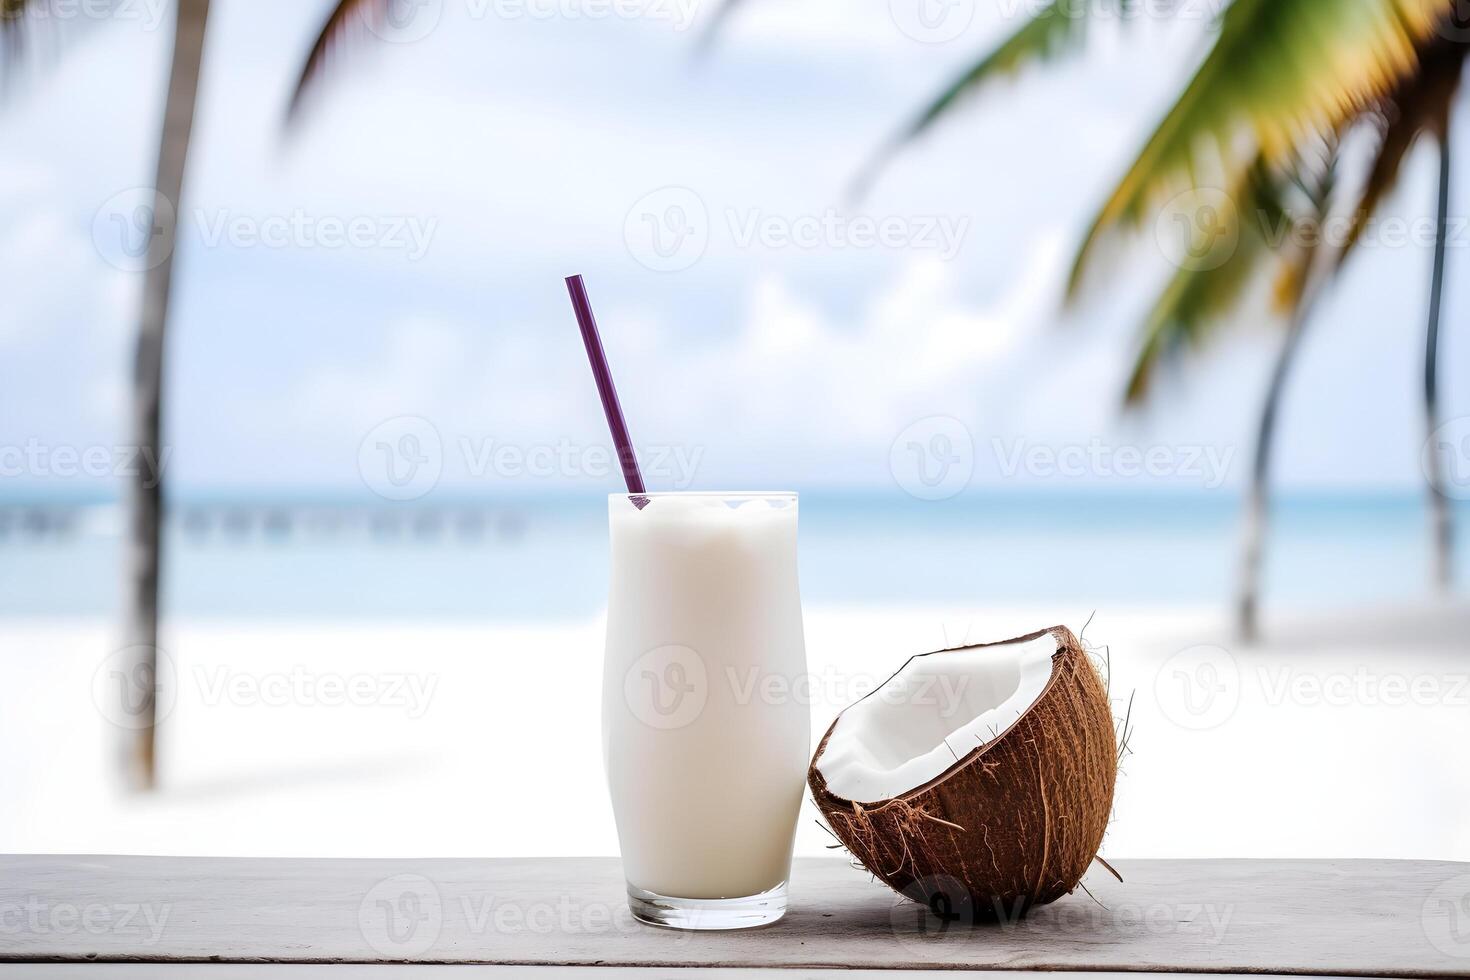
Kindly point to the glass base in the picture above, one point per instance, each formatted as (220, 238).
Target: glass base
(707, 913)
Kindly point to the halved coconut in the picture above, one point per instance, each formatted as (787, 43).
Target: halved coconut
(985, 770)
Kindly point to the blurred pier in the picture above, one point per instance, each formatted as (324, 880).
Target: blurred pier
(238, 523)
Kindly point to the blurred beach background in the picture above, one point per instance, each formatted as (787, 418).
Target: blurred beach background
(387, 465)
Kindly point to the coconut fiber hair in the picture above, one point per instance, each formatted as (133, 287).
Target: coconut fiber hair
(1011, 825)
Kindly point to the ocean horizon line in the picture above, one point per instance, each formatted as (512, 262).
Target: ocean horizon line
(893, 497)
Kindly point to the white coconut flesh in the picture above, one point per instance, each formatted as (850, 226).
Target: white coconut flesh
(936, 710)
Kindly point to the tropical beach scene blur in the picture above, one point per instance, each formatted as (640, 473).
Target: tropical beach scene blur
(1141, 318)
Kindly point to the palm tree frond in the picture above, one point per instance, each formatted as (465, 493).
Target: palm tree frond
(1198, 296)
(345, 24)
(1418, 105)
(1279, 72)
(11, 11)
(13, 17)
(1058, 28)
(1193, 298)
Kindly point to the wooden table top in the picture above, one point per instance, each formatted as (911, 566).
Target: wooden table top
(1341, 918)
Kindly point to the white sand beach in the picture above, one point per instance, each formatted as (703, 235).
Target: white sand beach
(1330, 739)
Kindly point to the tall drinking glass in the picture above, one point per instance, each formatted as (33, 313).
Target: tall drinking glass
(706, 736)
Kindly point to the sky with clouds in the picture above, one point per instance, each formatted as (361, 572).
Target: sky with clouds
(401, 254)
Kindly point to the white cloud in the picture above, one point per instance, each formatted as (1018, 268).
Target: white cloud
(778, 360)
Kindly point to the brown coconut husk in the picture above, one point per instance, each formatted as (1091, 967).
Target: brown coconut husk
(1011, 825)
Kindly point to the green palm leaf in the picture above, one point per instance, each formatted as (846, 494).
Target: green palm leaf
(1418, 105)
(1059, 28)
(1256, 233)
(1279, 72)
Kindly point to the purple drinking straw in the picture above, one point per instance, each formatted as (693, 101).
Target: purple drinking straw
(605, 389)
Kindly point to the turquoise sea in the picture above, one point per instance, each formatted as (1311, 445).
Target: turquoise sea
(275, 557)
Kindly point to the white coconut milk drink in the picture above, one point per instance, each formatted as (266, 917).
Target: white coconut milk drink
(706, 729)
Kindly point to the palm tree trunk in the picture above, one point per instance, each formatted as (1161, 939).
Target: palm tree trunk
(147, 498)
(1441, 522)
(1256, 512)
(1320, 265)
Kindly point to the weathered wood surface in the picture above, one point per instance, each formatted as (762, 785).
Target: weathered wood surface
(460, 971)
(1343, 918)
